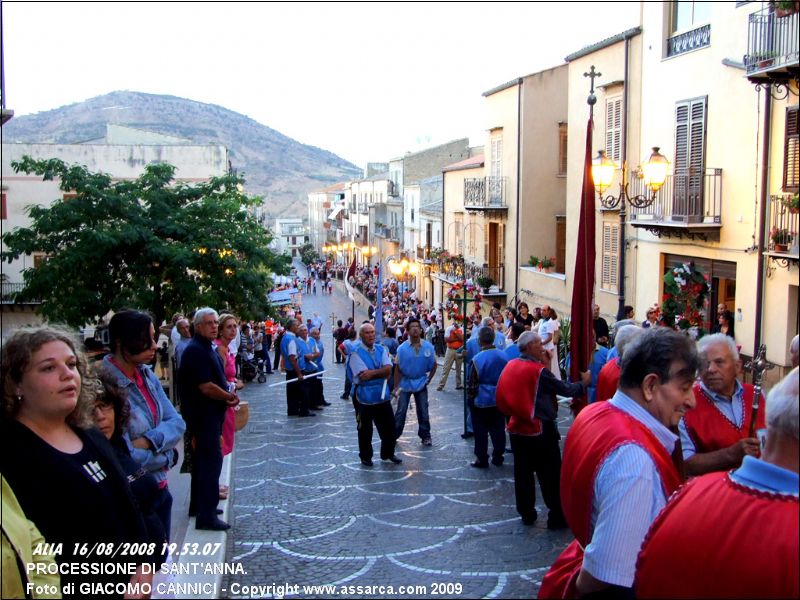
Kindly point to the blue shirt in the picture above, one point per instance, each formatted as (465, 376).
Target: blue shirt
(628, 495)
(415, 364)
(761, 475)
(512, 351)
(732, 409)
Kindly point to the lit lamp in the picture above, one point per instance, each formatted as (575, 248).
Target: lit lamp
(654, 175)
(395, 268)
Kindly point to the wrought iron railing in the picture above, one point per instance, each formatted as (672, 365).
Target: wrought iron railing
(9, 291)
(689, 40)
(687, 196)
(772, 41)
(390, 233)
(423, 253)
(455, 270)
(784, 225)
(485, 192)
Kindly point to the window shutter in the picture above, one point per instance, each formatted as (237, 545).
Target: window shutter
(614, 128)
(486, 242)
(501, 244)
(609, 278)
(689, 171)
(791, 152)
(697, 157)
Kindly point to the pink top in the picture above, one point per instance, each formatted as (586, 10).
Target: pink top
(230, 365)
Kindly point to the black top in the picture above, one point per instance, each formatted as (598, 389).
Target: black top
(600, 330)
(81, 498)
(527, 321)
(200, 364)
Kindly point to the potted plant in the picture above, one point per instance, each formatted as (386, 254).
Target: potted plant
(484, 281)
(784, 8)
(534, 261)
(548, 264)
(781, 238)
(792, 204)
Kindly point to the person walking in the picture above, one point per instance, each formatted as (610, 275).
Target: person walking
(415, 369)
(454, 338)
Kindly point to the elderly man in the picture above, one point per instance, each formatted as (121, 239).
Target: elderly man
(741, 526)
(484, 373)
(184, 330)
(618, 470)
(715, 436)
(608, 378)
(204, 400)
(370, 367)
(319, 348)
(526, 392)
(415, 369)
(294, 362)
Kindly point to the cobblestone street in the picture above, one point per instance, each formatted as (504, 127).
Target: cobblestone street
(306, 512)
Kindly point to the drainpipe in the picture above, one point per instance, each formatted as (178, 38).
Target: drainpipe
(623, 204)
(762, 217)
(519, 186)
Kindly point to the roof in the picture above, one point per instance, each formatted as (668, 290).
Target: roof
(336, 187)
(468, 163)
(516, 81)
(625, 35)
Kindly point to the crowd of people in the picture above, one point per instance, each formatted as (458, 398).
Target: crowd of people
(669, 452)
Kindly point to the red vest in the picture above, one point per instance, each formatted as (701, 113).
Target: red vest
(710, 430)
(516, 395)
(598, 430)
(607, 380)
(719, 539)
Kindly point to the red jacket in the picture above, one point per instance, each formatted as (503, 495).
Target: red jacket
(598, 430)
(710, 430)
(607, 380)
(516, 396)
(719, 539)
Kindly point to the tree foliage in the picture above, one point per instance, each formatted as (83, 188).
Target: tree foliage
(308, 254)
(149, 243)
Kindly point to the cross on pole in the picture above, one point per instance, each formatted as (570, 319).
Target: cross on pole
(592, 99)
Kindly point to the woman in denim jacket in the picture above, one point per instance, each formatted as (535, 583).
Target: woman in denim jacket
(155, 428)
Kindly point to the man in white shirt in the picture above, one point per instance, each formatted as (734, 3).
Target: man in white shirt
(547, 330)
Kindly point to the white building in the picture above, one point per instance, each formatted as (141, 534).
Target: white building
(324, 207)
(290, 234)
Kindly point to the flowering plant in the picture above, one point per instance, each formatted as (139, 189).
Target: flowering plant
(455, 299)
(780, 236)
(685, 292)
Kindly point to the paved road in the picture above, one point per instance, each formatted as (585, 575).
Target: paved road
(306, 512)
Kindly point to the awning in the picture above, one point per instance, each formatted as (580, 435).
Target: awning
(335, 213)
(282, 297)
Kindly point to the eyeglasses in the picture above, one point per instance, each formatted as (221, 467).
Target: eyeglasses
(103, 408)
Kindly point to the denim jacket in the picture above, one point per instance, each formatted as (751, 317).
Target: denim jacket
(163, 437)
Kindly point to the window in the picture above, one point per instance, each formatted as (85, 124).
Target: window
(609, 274)
(69, 196)
(472, 227)
(412, 215)
(459, 227)
(497, 157)
(614, 128)
(38, 260)
(687, 14)
(562, 148)
(689, 168)
(791, 154)
(3, 208)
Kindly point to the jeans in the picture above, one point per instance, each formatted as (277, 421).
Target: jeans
(421, 403)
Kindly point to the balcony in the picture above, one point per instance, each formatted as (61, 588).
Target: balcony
(786, 221)
(772, 47)
(689, 40)
(454, 270)
(424, 253)
(389, 233)
(485, 194)
(9, 291)
(688, 205)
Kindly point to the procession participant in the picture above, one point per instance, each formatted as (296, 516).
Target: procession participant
(454, 337)
(716, 435)
(526, 392)
(347, 347)
(618, 470)
(416, 366)
(608, 378)
(484, 374)
(740, 526)
(316, 382)
(513, 350)
(307, 349)
(294, 361)
(370, 367)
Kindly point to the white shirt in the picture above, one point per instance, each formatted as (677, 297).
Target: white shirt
(547, 328)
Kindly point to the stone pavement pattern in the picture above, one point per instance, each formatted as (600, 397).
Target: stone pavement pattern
(306, 512)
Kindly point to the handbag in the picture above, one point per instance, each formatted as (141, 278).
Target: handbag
(241, 414)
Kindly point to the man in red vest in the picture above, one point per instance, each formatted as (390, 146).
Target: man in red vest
(716, 435)
(735, 534)
(618, 469)
(527, 392)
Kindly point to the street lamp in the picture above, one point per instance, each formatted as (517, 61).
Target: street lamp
(654, 173)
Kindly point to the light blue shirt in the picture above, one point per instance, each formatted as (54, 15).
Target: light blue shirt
(357, 365)
(732, 409)
(415, 364)
(628, 496)
(761, 475)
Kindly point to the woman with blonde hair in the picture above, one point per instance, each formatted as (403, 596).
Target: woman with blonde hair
(63, 472)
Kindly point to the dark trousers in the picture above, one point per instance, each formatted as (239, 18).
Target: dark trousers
(338, 355)
(540, 455)
(277, 362)
(383, 417)
(348, 385)
(488, 422)
(296, 395)
(207, 466)
(315, 392)
(162, 506)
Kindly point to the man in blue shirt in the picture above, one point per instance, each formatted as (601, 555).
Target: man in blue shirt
(319, 347)
(416, 366)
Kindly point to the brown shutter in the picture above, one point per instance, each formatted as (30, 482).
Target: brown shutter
(791, 152)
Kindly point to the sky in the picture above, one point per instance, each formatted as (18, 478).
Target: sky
(367, 81)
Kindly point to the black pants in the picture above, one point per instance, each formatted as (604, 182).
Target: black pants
(488, 422)
(296, 395)
(540, 455)
(314, 392)
(383, 417)
(206, 466)
(277, 362)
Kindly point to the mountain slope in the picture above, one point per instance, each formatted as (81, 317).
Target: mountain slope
(275, 166)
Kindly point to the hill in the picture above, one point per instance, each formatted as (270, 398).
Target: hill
(275, 166)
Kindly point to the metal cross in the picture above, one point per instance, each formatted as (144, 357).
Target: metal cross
(592, 74)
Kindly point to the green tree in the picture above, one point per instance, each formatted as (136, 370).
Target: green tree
(150, 244)
(308, 254)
